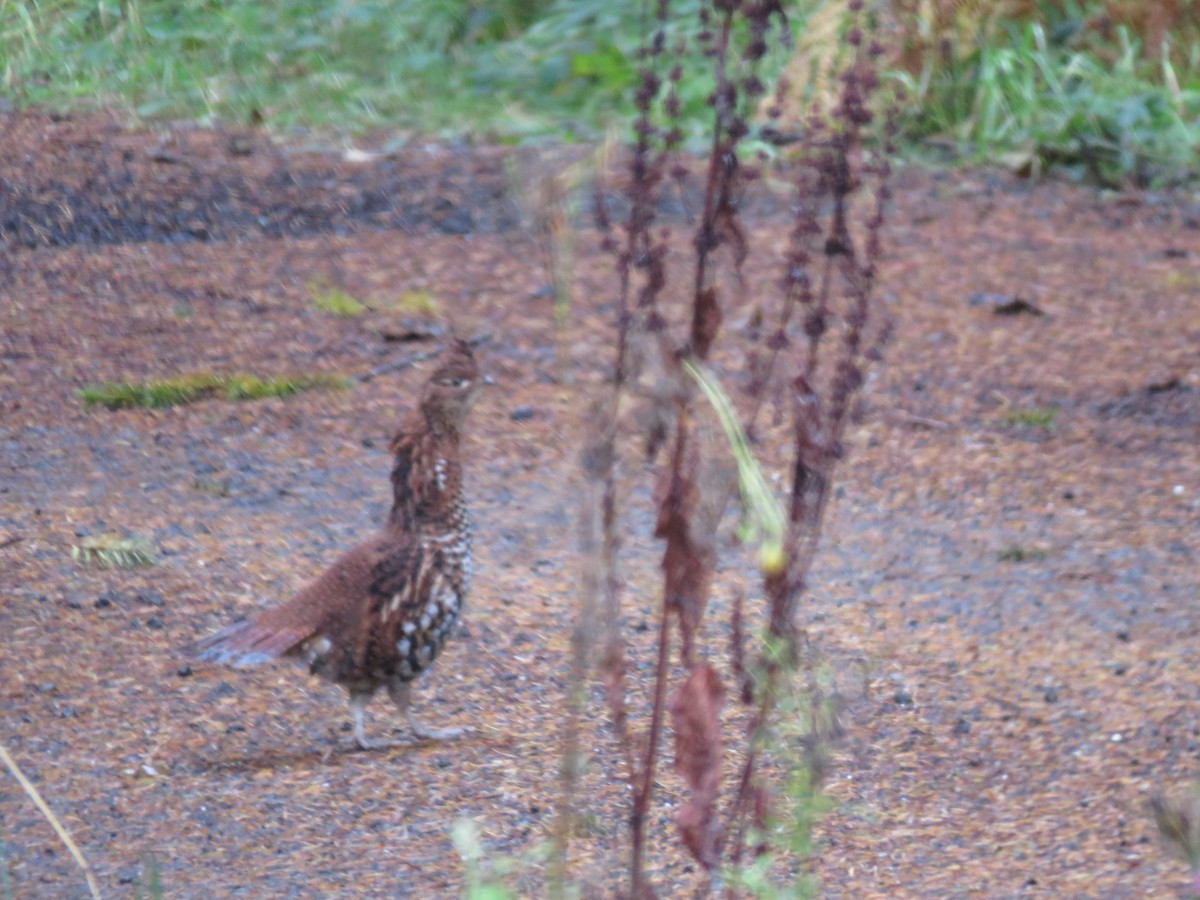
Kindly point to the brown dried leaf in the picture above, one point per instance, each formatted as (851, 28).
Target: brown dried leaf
(695, 713)
(687, 561)
(706, 321)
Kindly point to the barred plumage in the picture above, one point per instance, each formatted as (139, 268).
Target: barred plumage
(381, 614)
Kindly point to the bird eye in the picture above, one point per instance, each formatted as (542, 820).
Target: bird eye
(455, 382)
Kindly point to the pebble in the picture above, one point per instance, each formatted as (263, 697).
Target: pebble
(150, 598)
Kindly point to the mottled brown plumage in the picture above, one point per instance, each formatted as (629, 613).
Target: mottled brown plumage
(380, 615)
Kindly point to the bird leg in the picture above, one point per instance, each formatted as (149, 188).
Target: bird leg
(358, 709)
(400, 693)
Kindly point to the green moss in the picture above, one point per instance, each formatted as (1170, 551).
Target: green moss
(416, 303)
(200, 386)
(1033, 417)
(1015, 553)
(329, 299)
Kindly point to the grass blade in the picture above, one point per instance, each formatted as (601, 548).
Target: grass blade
(63, 835)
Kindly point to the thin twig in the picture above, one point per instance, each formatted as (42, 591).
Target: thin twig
(32, 793)
(899, 415)
(641, 800)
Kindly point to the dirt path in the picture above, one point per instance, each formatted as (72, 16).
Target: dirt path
(1010, 608)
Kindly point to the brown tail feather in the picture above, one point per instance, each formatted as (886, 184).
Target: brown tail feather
(248, 643)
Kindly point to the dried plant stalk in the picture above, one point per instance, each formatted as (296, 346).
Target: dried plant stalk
(44, 808)
(825, 332)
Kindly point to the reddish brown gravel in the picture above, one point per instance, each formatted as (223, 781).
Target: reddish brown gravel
(1009, 609)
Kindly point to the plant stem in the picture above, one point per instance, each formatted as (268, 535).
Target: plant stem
(645, 788)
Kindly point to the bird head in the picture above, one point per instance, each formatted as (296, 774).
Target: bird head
(451, 389)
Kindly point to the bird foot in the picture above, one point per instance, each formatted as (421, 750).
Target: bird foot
(362, 745)
(368, 746)
(436, 734)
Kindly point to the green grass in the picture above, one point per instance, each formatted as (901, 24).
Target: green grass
(1032, 96)
(191, 388)
(1032, 417)
(1015, 553)
(6, 889)
(507, 69)
(111, 551)
(415, 303)
(332, 300)
(1035, 103)
(152, 889)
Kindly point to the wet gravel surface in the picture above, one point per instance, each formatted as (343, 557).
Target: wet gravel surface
(1007, 609)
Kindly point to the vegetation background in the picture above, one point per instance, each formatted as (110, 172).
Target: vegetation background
(1107, 90)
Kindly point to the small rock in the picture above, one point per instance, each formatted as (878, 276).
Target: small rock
(184, 671)
(154, 622)
(962, 726)
(150, 598)
(903, 698)
(224, 689)
(1050, 694)
(103, 601)
(522, 413)
(1005, 304)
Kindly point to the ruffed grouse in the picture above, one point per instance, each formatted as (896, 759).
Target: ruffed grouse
(382, 612)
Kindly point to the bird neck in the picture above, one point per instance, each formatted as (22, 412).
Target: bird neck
(440, 421)
(426, 478)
